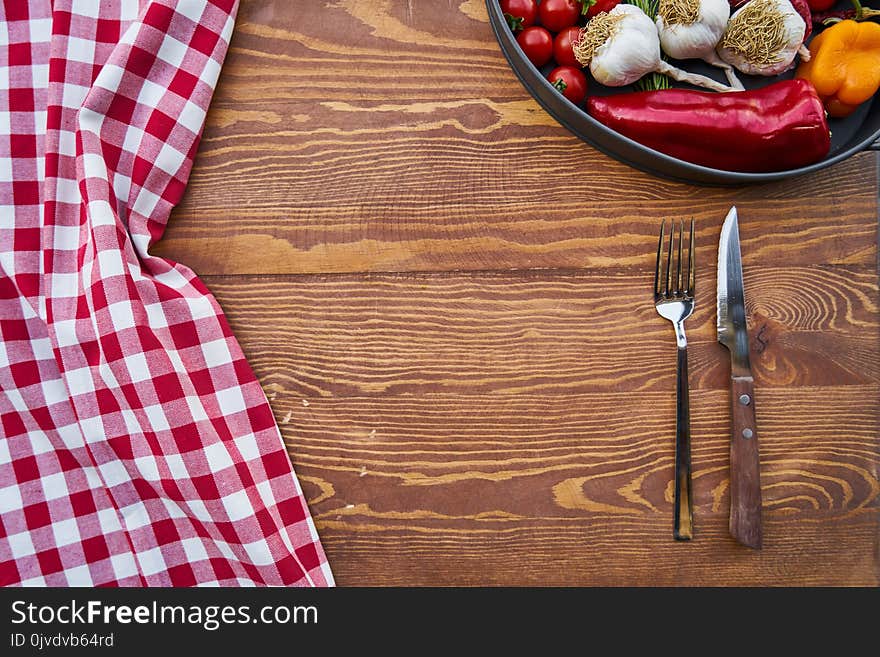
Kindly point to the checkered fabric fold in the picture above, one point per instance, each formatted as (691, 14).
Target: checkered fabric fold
(136, 445)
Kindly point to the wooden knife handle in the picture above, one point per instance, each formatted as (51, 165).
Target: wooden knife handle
(745, 478)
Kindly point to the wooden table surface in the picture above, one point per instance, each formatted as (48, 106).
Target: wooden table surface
(447, 298)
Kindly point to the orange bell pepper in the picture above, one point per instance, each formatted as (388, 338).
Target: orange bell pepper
(845, 65)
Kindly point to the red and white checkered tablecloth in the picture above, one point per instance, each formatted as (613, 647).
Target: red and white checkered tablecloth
(137, 446)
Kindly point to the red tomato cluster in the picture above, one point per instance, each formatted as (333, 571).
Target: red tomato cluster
(546, 31)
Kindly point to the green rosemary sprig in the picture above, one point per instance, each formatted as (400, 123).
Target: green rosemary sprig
(652, 81)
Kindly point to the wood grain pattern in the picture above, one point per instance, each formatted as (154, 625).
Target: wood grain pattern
(447, 299)
(540, 332)
(574, 489)
(355, 136)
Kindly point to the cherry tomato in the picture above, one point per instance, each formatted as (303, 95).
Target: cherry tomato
(562, 46)
(520, 14)
(556, 15)
(571, 82)
(537, 44)
(821, 5)
(601, 5)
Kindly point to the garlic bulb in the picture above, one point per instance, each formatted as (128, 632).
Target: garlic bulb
(690, 29)
(622, 45)
(763, 37)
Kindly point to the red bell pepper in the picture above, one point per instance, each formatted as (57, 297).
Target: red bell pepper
(805, 10)
(777, 127)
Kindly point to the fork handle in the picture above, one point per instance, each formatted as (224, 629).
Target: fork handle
(745, 479)
(683, 519)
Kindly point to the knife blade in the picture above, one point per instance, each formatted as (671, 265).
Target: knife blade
(745, 483)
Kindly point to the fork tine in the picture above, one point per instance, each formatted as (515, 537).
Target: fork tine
(679, 288)
(669, 260)
(657, 291)
(692, 274)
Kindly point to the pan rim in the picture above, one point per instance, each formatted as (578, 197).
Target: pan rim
(702, 174)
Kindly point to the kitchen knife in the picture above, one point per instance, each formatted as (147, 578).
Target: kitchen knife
(745, 482)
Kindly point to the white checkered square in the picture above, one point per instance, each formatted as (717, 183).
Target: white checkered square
(147, 467)
(138, 369)
(247, 447)
(156, 315)
(94, 167)
(172, 51)
(258, 552)
(10, 496)
(67, 143)
(80, 381)
(89, 8)
(231, 400)
(20, 545)
(68, 191)
(146, 202)
(124, 565)
(151, 94)
(110, 263)
(120, 313)
(177, 466)
(135, 516)
(113, 473)
(54, 391)
(90, 121)
(192, 117)
(198, 509)
(65, 330)
(216, 353)
(80, 50)
(194, 549)
(65, 237)
(193, 10)
(121, 187)
(73, 96)
(133, 138)
(6, 174)
(66, 532)
(157, 418)
(109, 521)
(34, 582)
(65, 285)
(197, 409)
(238, 505)
(218, 457)
(40, 442)
(54, 486)
(40, 74)
(170, 159)
(151, 561)
(79, 576)
(110, 77)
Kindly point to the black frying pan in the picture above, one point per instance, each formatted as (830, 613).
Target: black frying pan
(854, 134)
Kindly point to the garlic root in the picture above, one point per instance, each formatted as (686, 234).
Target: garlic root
(692, 78)
(713, 59)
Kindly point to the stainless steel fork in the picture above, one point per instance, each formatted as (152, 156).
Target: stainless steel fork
(674, 300)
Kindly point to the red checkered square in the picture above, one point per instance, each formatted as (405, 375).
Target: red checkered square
(137, 447)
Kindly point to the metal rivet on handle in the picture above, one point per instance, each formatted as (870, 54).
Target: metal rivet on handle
(744, 400)
(747, 433)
